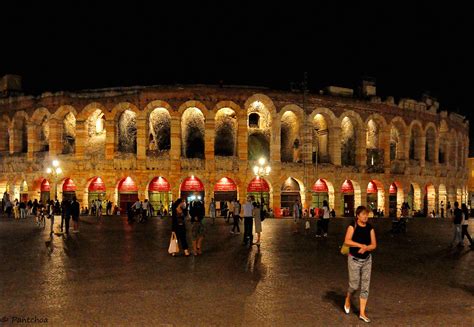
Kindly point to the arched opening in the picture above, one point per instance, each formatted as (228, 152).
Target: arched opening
(392, 200)
(430, 145)
(159, 135)
(42, 134)
(375, 153)
(254, 120)
(394, 143)
(69, 189)
(127, 194)
(459, 196)
(23, 191)
(260, 189)
(225, 143)
(20, 135)
(429, 200)
(348, 196)
(96, 133)
(69, 133)
(375, 197)
(96, 191)
(322, 190)
(159, 195)
(320, 135)
(45, 191)
(290, 146)
(127, 132)
(192, 131)
(348, 142)
(290, 193)
(414, 197)
(443, 200)
(415, 144)
(259, 134)
(225, 190)
(192, 189)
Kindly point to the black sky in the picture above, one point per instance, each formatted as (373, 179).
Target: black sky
(409, 49)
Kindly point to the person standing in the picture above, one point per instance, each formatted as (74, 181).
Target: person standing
(23, 209)
(212, 210)
(248, 221)
(236, 219)
(326, 217)
(63, 212)
(296, 216)
(16, 209)
(442, 209)
(75, 211)
(198, 230)
(256, 212)
(457, 220)
(66, 214)
(465, 225)
(230, 210)
(360, 237)
(178, 227)
(146, 209)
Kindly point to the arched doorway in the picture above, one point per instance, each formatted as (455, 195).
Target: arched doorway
(96, 191)
(429, 199)
(372, 198)
(159, 193)
(192, 189)
(69, 189)
(45, 191)
(392, 200)
(443, 200)
(127, 193)
(259, 188)
(290, 192)
(225, 190)
(348, 198)
(414, 197)
(24, 191)
(320, 193)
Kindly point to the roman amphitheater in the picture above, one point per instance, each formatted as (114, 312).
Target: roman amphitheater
(163, 142)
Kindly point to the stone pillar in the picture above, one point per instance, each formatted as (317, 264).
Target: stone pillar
(361, 148)
(385, 145)
(306, 138)
(142, 139)
(436, 153)
(175, 151)
(422, 150)
(110, 139)
(209, 138)
(335, 145)
(276, 197)
(81, 138)
(338, 203)
(275, 139)
(14, 140)
(32, 140)
(55, 137)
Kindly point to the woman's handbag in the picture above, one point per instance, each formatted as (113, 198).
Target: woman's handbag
(345, 248)
(173, 248)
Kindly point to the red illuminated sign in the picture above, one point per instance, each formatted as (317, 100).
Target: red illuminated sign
(159, 184)
(97, 185)
(127, 185)
(320, 186)
(372, 188)
(45, 186)
(347, 187)
(258, 185)
(225, 185)
(69, 185)
(192, 184)
(393, 189)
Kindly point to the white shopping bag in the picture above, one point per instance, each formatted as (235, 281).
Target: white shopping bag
(173, 248)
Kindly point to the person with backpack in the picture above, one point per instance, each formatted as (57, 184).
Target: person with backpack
(457, 220)
(465, 225)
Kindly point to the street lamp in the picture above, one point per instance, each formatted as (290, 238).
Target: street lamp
(54, 173)
(261, 170)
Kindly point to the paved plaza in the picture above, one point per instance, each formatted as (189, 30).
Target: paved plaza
(115, 274)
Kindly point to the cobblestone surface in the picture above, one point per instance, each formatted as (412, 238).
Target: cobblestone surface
(115, 274)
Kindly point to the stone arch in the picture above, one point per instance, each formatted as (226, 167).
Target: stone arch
(429, 199)
(453, 144)
(290, 137)
(430, 137)
(443, 143)
(414, 197)
(415, 146)
(376, 195)
(158, 131)
(19, 133)
(352, 129)
(351, 197)
(259, 137)
(322, 120)
(125, 116)
(322, 190)
(398, 133)
(225, 142)
(442, 200)
(395, 199)
(292, 189)
(40, 121)
(192, 133)
(5, 133)
(376, 124)
(93, 116)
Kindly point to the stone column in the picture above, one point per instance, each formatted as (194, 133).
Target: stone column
(175, 151)
(55, 137)
(275, 140)
(361, 148)
(242, 139)
(110, 139)
(141, 139)
(14, 140)
(385, 145)
(81, 138)
(338, 203)
(209, 138)
(276, 197)
(422, 150)
(32, 140)
(306, 137)
(335, 145)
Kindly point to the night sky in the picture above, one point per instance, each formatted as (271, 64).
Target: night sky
(409, 49)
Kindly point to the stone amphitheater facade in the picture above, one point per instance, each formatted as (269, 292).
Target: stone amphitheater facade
(347, 150)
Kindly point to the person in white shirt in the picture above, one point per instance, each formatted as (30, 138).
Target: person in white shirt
(296, 216)
(248, 221)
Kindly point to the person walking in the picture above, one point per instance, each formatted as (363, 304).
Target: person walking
(212, 210)
(145, 210)
(23, 209)
(16, 209)
(457, 220)
(75, 211)
(325, 218)
(230, 210)
(442, 209)
(296, 216)
(248, 221)
(236, 219)
(360, 237)
(178, 224)
(67, 215)
(64, 204)
(465, 225)
(198, 230)
(256, 212)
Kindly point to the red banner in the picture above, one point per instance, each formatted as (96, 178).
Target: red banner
(97, 185)
(258, 185)
(347, 187)
(393, 189)
(45, 186)
(225, 185)
(159, 184)
(192, 184)
(320, 186)
(372, 188)
(68, 185)
(127, 185)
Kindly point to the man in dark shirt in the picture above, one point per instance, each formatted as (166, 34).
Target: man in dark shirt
(457, 224)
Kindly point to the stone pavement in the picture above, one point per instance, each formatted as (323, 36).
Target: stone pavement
(115, 274)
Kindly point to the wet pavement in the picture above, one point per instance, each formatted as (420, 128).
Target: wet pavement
(115, 274)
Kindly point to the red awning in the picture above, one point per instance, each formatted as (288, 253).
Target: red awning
(127, 185)
(258, 185)
(45, 186)
(320, 186)
(192, 184)
(392, 189)
(69, 185)
(347, 187)
(372, 188)
(225, 185)
(97, 185)
(159, 184)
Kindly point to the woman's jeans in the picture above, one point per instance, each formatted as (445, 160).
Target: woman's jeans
(457, 234)
(181, 236)
(359, 275)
